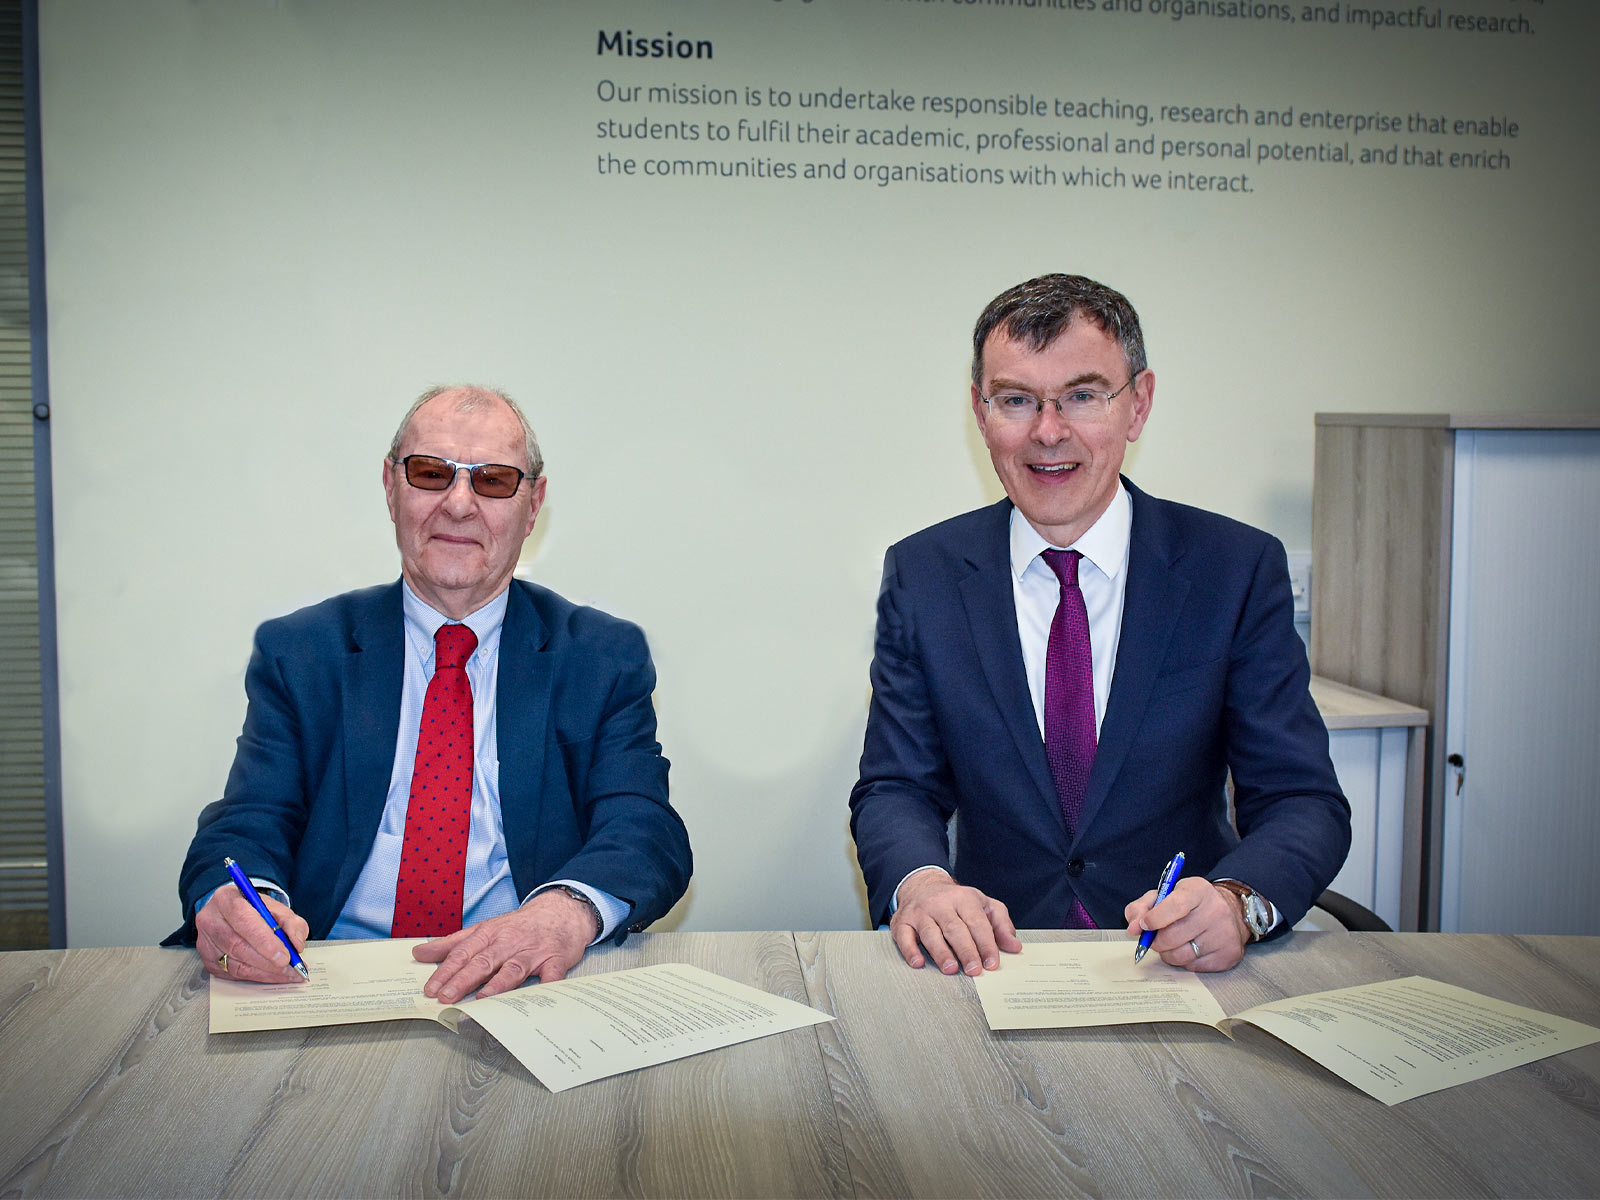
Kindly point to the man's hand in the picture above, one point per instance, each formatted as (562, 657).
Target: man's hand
(957, 926)
(1197, 916)
(545, 937)
(235, 943)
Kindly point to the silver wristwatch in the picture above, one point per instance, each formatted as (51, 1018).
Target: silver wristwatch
(1257, 913)
(594, 909)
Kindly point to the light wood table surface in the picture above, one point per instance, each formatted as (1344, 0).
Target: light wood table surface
(933, 1104)
(112, 1087)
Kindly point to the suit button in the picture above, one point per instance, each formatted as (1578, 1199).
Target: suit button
(1075, 867)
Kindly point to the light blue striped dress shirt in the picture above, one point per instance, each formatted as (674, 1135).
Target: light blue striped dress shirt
(489, 891)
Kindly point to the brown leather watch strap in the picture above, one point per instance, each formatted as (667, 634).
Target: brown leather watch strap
(1240, 891)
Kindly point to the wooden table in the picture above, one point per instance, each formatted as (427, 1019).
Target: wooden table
(112, 1087)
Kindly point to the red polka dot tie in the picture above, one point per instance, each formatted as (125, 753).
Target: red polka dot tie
(1069, 735)
(433, 861)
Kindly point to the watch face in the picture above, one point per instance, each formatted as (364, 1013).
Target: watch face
(1256, 915)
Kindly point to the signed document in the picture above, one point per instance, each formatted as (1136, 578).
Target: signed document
(1073, 985)
(1395, 1039)
(566, 1033)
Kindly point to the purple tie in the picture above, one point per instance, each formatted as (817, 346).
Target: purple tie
(1069, 738)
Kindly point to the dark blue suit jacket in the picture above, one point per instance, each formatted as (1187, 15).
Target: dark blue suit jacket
(583, 784)
(1210, 676)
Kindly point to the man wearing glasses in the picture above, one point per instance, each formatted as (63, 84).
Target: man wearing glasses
(1073, 673)
(459, 755)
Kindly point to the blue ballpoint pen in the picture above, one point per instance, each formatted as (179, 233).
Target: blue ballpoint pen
(248, 889)
(1169, 877)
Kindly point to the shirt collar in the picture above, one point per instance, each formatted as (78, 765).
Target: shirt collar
(1105, 543)
(422, 620)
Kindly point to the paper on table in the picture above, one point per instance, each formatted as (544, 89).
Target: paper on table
(565, 1033)
(1073, 985)
(1406, 1037)
(583, 1029)
(1395, 1040)
(350, 982)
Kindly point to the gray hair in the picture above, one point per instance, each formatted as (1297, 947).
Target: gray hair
(474, 397)
(1038, 311)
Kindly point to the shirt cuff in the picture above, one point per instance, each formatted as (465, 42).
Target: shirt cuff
(261, 885)
(612, 911)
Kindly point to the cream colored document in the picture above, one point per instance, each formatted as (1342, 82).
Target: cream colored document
(1073, 985)
(350, 982)
(566, 1033)
(1394, 1040)
(1407, 1037)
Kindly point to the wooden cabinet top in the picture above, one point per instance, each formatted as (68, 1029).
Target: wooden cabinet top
(1345, 707)
(1465, 420)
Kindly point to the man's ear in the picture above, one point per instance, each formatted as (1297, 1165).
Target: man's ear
(1144, 396)
(536, 501)
(390, 471)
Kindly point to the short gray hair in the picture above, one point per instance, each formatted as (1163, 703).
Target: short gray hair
(474, 396)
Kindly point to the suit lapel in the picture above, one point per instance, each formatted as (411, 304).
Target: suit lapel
(992, 617)
(374, 669)
(1153, 597)
(522, 720)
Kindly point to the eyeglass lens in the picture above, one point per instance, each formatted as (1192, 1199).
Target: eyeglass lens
(494, 480)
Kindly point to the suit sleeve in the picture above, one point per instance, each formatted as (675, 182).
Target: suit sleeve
(262, 813)
(1293, 820)
(635, 845)
(901, 804)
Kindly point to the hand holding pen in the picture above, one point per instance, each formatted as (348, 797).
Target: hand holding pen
(248, 891)
(242, 936)
(1169, 878)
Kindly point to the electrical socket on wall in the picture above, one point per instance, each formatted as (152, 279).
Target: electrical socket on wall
(1300, 584)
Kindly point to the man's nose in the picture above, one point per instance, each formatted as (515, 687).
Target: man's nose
(459, 498)
(1049, 426)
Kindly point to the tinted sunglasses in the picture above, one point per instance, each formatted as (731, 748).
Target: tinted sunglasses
(497, 481)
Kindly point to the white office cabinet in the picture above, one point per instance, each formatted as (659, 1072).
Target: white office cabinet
(1377, 747)
(1457, 563)
(1522, 836)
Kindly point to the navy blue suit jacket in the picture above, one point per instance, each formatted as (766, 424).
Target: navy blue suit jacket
(1210, 676)
(583, 784)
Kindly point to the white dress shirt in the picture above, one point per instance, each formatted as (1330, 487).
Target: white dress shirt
(1103, 580)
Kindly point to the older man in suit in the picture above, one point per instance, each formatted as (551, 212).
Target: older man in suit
(457, 755)
(1074, 672)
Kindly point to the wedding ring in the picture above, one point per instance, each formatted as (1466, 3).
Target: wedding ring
(1192, 945)
(222, 961)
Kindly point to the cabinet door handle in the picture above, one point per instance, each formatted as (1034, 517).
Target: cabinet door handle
(1460, 765)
